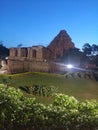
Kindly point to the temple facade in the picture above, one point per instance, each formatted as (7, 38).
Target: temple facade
(40, 58)
(37, 58)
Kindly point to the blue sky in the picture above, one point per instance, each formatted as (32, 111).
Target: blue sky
(37, 22)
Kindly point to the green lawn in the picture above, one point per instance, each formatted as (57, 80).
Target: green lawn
(80, 88)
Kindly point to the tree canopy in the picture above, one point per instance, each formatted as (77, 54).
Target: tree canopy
(4, 52)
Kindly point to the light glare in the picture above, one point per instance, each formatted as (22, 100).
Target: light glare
(69, 66)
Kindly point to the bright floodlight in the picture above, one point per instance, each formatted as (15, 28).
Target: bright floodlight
(69, 66)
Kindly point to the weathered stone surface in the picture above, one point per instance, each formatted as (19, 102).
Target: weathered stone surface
(61, 43)
(36, 58)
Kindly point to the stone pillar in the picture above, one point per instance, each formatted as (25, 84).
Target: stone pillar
(28, 49)
(40, 54)
(24, 52)
(13, 52)
(19, 52)
(31, 50)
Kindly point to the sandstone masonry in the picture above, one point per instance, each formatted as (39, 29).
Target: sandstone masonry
(40, 58)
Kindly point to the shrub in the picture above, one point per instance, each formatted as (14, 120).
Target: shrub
(65, 113)
(40, 90)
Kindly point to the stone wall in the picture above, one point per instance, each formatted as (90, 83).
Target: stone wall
(15, 66)
(36, 53)
(37, 58)
(18, 66)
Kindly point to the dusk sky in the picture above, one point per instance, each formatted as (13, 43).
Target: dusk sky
(37, 22)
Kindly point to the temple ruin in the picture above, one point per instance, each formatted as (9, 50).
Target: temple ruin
(40, 58)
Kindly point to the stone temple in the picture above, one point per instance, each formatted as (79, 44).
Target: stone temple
(40, 58)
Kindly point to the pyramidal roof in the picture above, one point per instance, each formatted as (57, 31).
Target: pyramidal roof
(61, 43)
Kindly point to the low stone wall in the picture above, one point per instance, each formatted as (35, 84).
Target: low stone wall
(15, 66)
(23, 65)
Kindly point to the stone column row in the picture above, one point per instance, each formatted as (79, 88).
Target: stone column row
(23, 52)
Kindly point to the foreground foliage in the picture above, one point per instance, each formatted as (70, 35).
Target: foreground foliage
(65, 113)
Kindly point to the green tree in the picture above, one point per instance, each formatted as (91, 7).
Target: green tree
(87, 49)
(4, 52)
(95, 49)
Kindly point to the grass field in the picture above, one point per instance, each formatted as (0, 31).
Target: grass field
(80, 88)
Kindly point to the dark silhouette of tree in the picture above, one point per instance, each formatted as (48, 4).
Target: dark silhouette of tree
(95, 49)
(19, 45)
(4, 52)
(87, 49)
(72, 56)
(91, 52)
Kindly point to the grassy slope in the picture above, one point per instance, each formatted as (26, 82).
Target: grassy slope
(79, 88)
